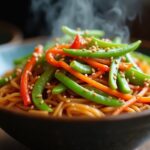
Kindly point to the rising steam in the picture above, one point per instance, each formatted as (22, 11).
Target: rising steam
(109, 15)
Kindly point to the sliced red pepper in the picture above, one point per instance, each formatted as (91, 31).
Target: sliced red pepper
(24, 91)
(78, 42)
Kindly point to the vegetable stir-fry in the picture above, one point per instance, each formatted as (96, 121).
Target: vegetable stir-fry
(82, 74)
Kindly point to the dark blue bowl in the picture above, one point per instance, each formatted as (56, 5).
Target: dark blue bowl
(123, 132)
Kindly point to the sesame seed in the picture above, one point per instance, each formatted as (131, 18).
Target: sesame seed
(10, 77)
(39, 96)
(123, 58)
(57, 70)
(32, 107)
(48, 84)
(6, 79)
(41, 102)
(68, 101)
(111, 58)
(36, 59)
(35, 54)
(100, 76)
(18, 70)
(116, 62)
(93, 70)
(48, 91)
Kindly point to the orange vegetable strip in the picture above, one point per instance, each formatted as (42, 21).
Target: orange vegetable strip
(52, 61)
(96, 74)
(89, 61)
(123, 66)
(25, 75)
(103, 61)
(93, 76)
(130, 102)
(95, 64)
(144, 100)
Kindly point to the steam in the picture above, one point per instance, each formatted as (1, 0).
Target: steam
(109, 15)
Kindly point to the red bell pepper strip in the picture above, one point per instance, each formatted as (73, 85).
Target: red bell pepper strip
(24, 91)
(78, 42)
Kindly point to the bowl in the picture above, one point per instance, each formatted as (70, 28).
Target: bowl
(124, 132)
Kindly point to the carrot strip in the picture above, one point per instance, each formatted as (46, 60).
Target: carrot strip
(95, 64)
(130, 102)
(96, 74)
(125, 66)
(92, 62)
(144, 100)
(93, 76)
(122, 66)
(103, 61)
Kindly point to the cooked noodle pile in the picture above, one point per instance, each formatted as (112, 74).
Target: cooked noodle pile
(69, 103)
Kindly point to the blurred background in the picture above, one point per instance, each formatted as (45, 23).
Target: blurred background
(32, 18)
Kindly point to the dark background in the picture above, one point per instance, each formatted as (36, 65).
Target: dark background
(18, 13)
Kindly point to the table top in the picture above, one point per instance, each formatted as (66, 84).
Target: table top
(8, 143)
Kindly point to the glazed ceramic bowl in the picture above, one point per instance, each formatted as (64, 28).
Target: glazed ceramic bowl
(124, 132)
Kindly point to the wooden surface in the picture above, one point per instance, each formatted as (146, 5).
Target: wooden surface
(8, 143)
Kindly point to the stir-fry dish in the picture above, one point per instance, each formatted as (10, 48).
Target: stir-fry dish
(80, 74)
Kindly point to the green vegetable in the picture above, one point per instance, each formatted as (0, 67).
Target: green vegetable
(123, 84)
(141, 56)
(5, 80)
(117, 40)
(22, 59)
(130, 59)
(90, 95)
(82, 68)
(95, 90)
(136, 77)
(113, 73)
(86, 33)
(38, 90)
(116, 52)
(58, 89)
(106, 44)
